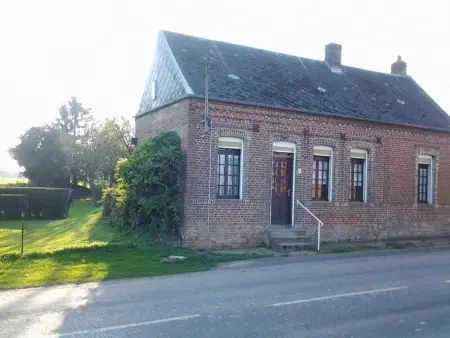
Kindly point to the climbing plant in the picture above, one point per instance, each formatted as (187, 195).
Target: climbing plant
(148, 194)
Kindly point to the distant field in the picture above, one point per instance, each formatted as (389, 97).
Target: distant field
(13, 180)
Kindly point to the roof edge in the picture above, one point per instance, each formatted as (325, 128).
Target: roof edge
(184, 82)
(429, 97)
(297, 110)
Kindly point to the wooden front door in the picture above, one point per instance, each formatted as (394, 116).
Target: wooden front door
(282, 188)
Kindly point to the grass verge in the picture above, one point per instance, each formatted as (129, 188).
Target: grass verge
(79, 249)
(102, 263)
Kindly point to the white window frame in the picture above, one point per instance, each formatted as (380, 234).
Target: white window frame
(426, 159)
(317, 152)
(234, 143)
(362, 154)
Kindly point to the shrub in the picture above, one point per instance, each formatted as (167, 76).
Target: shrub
(148, 191)
(12, 206)
(43, 202)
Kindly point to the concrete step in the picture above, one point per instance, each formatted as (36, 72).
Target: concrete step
(283, 232)
(289, 236)
(285, 239)
(296, 244)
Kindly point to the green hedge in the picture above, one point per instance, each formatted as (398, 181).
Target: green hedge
(43, 202)
(13, 205)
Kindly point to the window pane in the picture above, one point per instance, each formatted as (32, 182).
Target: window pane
(228, 172)
(235, 191)
(325, 165)
(423, 184)
(236, 170)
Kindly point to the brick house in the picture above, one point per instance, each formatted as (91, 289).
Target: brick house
(368, 153)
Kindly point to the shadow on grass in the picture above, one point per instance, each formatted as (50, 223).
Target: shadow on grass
(83, 227)
(101, 262)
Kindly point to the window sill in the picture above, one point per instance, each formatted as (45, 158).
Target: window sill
(320, 202)
(425, 206)
(222, 200)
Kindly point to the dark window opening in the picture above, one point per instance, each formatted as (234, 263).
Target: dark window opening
(423, 177)
(320, 178)
(357, 180)
(228, 173)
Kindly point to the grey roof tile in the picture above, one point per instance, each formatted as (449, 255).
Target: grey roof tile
(276, 79)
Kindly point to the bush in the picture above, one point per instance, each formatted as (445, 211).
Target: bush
(148, 192)
(43, 202)
(12, 206)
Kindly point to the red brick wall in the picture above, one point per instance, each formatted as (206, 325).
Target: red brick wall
(171, 118)
(390, 211)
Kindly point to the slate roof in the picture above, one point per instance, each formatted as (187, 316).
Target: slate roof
(292, 82)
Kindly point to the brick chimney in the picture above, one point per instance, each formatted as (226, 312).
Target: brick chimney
(333, 53)
(398, 67)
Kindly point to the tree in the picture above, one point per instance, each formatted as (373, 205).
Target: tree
(74, 121)
(107, 143)
(42, 151)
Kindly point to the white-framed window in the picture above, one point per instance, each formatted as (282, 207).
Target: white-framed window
(425, 179)
(358, 175)
(322, 177)
(230, 168)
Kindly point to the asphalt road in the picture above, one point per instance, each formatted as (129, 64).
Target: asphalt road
(364, 295)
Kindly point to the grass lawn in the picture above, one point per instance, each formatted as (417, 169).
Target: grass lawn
(77, 249)
(82, 228)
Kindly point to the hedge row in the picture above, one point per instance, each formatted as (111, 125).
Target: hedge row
(13, 205)
(42, 202)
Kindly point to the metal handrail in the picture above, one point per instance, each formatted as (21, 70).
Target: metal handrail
(319, 224)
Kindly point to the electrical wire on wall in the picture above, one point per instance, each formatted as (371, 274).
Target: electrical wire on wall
(208, 127)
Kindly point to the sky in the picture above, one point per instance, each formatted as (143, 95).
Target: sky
(101, 51)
